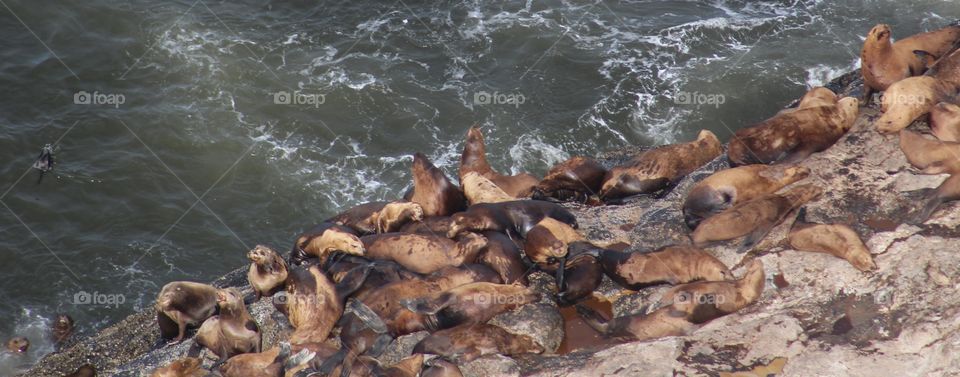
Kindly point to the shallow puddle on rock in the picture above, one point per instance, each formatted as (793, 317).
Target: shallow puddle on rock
(577, 334)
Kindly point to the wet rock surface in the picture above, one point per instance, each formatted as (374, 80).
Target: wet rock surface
(818, 315)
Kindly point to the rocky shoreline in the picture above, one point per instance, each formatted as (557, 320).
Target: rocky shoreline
(818, 315)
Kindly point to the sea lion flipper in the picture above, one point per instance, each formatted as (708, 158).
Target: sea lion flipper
(592, 318)
(368, 316)
(927, 58)
(428, 306)
(299, 358)
(380, 345)
(755, 237)
(352, 280)
(930, 205)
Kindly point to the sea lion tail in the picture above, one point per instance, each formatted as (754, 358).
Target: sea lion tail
(593, 318)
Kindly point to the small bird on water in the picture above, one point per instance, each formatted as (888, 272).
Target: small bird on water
(45, 161)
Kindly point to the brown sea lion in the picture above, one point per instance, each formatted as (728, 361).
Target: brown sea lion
(465, 343)
(514, 218)
(581, 274)
(183, 367)
(945, 121)
(474, 159)
(423, 253)
(929, 155)
(62, 329)
(546, 245)
(578, 178)
(181, 304)
(666, 321)
(504, 256)
(729, 187)
(728, 296)
(274, 362)
(792, 136)
(381, 272)
(18, 344)
(85, 370)
(436, 225)
(433, 191)
(668, 265)
(754, 218)
(313, 303)
(884, 63)
(835, 239)
(267, 271)
(378, 217)
(656, 169)
(949, 190)
(479, 189)
(908, 99)
(231, 332)
(322, 240)
(470, 303)
(439, 367)
(371, 367)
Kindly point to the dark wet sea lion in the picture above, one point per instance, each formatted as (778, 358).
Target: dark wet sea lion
(884, 62)
(656, 169)
(381, 272)
(945, 121)
(422, 253)
(86, 370)
(514, 218)
(314, 303)
(322, 240)
(755, 218)
(474, 159)
(231, 332)
(838, 240)
(432, 189)
(948, 191)
(790, 137)
(728, 296)
(183, 367)
(478, 189)
(465, 343)
(18, 344)
(930, 155)
(582, 274)
(729, 187)
(667, 265)
(62, 329)
(267, 271)
(378, 217)
(470, 303)
(504, 256)
(181, 304)
(578, 179)
(440, 368)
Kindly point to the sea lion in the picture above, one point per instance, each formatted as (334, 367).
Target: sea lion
(666, 321)
(371, 367)
(908, 99)
(790, 137)
(729, 187)
(436, 225)
(504, 256)
(378, 217)
(274, 362)
(423, 253)
(755, 218)
(313, 303)
(85, 370)
(439, 367)
(18, 344)
(835, 239)
(474, 159)
(728, 296)
(671, 265)
(62, 329)
(322, 240)
(470, 303)
(577, 179)
(949, 190)
(581, 275)
(231, 332)
(884, 63)
(465, 343)
(181, 304)
(381, 272)
(928, 155)
(433, 191)
(267, 271)
(479, 189)
(945, 121)
(658, 168)
(546, 245)
(514, 218)
(183, 367)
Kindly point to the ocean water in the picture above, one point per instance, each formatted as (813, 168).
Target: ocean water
(189, 131)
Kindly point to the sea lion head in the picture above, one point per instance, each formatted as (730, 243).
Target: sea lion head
(338, 240)
(880, 32)
(621, 184)
(848, 108)
(795, 173)
(227, 297)
(63, 323)
(263, 256)
(18, 345)
(396, 214)
(474, 150)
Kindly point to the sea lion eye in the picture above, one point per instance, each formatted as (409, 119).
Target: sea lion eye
(551, 260)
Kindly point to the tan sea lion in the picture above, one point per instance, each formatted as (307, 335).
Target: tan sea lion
(378, 217)
(231, 332)
(440, 368)
(835, 239)
(18, 344)
(85, 370)
(62, 329)
(578, 178)
(884, 63)
(546, 243)
(470, 303)
(792, 136)
(267, 271)
(514, 218)
(422, 253)
(728, 296)
(908, 99)
(183, 367)
(432, 190)
(945, 121)
(754, 218)
(929, 155)
(181, 304)
(666, 321)
(274, 362)
(671, 265)
(474, 159)
(729, 187)
(656, 169)
(324, 239)
(465, 343)
(313, 303)
(479, 189)
(503, 255)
